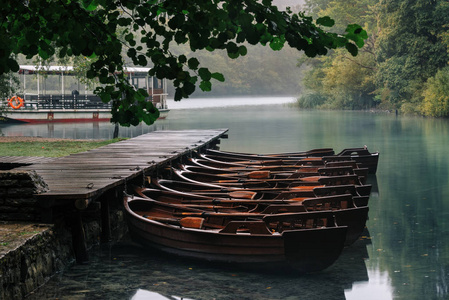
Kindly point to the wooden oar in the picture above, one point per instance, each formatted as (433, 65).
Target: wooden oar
(212, 214)
(244, 201)
(188, 222)
(214, 207)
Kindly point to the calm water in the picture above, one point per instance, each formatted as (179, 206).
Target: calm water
(403, 255)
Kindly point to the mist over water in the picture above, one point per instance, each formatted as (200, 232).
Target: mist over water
(404, 253)
(226, 102)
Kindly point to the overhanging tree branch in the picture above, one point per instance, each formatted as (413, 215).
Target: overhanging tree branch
(204, 25)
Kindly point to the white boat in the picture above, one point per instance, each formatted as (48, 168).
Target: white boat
(73, 101)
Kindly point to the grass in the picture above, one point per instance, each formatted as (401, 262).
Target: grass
(50, 148)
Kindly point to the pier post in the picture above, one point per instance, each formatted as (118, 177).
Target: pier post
(105, 221)
(79, 239)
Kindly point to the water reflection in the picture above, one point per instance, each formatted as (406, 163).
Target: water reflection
(145, 295)
(128, 271)
(378, 287)
(405, 255)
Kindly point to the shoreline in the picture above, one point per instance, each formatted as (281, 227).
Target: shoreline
(14, 139)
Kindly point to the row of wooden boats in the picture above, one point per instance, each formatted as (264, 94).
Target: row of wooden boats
(298, 209)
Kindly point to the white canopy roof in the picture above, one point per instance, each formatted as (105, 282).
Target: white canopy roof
(70, 69)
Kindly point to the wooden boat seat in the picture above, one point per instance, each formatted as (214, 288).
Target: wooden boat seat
(300, 220)
(253, 227)
(336, 171)
(283, 208)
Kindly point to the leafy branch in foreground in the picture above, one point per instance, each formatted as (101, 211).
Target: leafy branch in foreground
(147, 31)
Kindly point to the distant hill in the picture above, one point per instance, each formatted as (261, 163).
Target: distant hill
(262, 72)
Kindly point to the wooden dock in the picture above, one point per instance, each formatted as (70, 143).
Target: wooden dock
(85, 176)
(11, 162)
(91, 180)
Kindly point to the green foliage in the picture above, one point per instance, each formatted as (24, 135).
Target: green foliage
(436, 95)
(408, 43)
(411, 49)
(341, 81)
(311, 100)
(147, 30)
(8, 86)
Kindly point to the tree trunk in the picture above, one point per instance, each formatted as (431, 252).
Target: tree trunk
(116, 128)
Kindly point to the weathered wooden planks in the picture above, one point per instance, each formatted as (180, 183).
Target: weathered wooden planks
(25, 160)
(84, 176)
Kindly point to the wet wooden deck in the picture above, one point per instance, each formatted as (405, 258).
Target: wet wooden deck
(9, 162)
(84, 176)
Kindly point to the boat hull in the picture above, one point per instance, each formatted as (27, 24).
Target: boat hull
(307, 250)
(62, 115)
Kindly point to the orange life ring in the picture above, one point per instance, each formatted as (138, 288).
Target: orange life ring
(15, 102)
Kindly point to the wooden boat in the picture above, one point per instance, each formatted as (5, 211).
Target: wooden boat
(311, 164)
(309, 242)
(276, 172)
(362, 156)
(236, 182)
(200, 189)
(345, 211)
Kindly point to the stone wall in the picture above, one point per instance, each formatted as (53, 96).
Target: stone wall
(30, 252)
(16, 195)
(29, 255)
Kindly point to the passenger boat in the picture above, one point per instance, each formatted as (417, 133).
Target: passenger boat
(345, 211)
(71, 101)
(361, 156)
(309, 242)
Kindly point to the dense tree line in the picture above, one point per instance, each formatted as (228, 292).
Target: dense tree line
(403, 65)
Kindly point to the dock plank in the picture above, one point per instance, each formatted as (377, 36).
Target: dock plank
(88, 174)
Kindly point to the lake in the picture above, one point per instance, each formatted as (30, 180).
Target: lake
(404, 253)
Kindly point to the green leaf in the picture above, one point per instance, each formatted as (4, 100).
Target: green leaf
(43, 54)
(204, 74)
(357, 34)
(124, 22)
(325, 21)
(90, 5)
(178, 94)
(277, 44)
(310, 51)
(142, 60)
(13, 65)
(352, 49)
(181, 75)
(182, 59)
(206, 86)
(243, 51)
(231, 47)
(105, 97)
(218, 76)
(132, 52)
(193, 63)
(129, 37)
(188, 88)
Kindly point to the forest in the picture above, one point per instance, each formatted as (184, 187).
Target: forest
(403, 65)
